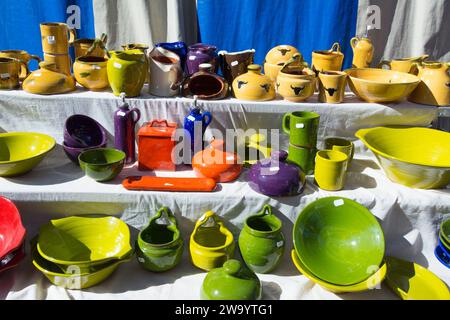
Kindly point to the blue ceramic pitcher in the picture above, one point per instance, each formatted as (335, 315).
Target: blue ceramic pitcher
(202, 120)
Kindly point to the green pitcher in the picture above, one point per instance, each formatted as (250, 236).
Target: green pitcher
(159, 246)
(127, 72)
(261, 241)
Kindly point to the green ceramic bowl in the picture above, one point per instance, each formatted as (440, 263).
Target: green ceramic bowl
(339, 240)
(102, 164)
(445, 231)
(84, 241)
(22, 151)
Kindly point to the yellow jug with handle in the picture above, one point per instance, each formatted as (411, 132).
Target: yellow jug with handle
(362, 52)
(408, 65)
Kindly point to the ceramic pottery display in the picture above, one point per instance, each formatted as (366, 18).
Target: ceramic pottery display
(253, 85)
(160, 246)
(444, 231)
(362, 52)
(434, 89)
(231, 282)
(102, 164)
(275, 59)
(127, 72)
(200, 53)
(10, 71)
(195, 124)
(54, 36)
(261, 241)
(166, 73)
(342, 145)
(91, 72)
(331, 169)
(411, 281)
(178, 47)
(151, 183)
(295, 83)
(12, 232)
(211, 243)
(81, 131)
(47, 80)
(328, 60)
(21, 55)
(233, 64)
(20, 152)
(423, 164)
(332, 86)
(275, 177)
(91, 47)
(408, 65)
(302, 157)
(205, 85)
(144, 49)
(155, 145)
(339, 241)
(302, 128)
(63, 62)
(256, 149)
(217, 163)
(371, 282)
(125, 120)
(381, 85)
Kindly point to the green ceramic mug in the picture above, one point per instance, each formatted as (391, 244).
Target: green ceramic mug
(159, 247)
(340, 144)
(302, 128)
(331, 169)
(261, 241)
(303, 157)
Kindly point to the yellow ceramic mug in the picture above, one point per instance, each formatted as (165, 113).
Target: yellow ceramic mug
(408, 65)
(10, 69)
(21, 55)
(331, 169)
(340, 144)
(332, 86)
(54, 37)
(63, 62)
(328, 59)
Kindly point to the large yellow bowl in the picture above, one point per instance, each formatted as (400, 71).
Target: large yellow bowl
(381, 85)
(414, 157)
(370, 283)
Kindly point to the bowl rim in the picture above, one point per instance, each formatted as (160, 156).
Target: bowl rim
(41, 135)
(102, 149)
(417, 79)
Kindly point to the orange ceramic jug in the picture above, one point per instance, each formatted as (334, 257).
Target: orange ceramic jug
(434, 89)
(362, 52)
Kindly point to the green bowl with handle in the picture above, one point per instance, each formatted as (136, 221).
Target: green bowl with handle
(338, 240)
(102, 164)
(20, 152)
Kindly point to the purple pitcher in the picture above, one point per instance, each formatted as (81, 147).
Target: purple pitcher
(124, 134)
(200, 53)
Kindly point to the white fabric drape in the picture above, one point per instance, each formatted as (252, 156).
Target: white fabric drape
(408, 28)
(145, 21)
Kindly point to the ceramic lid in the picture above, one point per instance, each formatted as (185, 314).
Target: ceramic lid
(281, 53)
(158, 128)
(232, 281)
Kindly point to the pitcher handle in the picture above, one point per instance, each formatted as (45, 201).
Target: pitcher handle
(384, 63)
(206, 115)
(204, 218)
(266, 210)
(169, 214)
(72, 36)
(286, 123)
(336, 47)
(23, 69)
(137, 112)
(178, 78)
(353, 42)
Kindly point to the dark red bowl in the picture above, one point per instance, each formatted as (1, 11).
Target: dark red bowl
(12, 231)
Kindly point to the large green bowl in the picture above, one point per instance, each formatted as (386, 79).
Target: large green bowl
(339, 240)
(444, 231)
(22, 151)
(84, 241)
(102, 164)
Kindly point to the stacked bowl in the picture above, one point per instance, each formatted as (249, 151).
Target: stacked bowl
(339, 245)
(81, 251)
(12, 235)
(442, 251)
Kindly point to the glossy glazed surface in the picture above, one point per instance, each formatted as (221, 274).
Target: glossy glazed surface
(91, 72)
(330, 169)
(305, 158)
(253, 85)
(74, 153)
(12, 231)
(47, 80)
(125, 121)
(411, 281)
(328, 60)
(295, 84)
(381, 85)
(21, 55)
(127, 72)
(63, 62)
(423, 164)
(332, 86)
(339, 240)
(261, 241)
(340, 144)
(84, 240)
(102, 164)
(166, 73)
(231, 282)
(362, 52)
(302, 128)
(56, 37)
(169, 184)
(372, 282)
(196, 118)
(233, 64)
(434, 89)
(22, 151)
(200, 53)
(81, 131)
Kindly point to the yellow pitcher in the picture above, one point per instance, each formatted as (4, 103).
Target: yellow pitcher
(126, 72)
(408, 65)
(434, 89)
(21, 55)
(328, 60)
(10, 69)
(362, 52)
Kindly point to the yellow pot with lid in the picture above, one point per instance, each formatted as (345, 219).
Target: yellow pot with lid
(275, 59)
(253, 85)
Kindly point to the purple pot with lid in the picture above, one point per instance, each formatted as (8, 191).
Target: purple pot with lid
(200, 53)
(275, 177)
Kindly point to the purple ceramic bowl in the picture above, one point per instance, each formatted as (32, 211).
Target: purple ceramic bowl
(81, 131)
(73, 153)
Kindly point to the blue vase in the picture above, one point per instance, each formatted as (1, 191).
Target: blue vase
(178, 47)
(202, 120)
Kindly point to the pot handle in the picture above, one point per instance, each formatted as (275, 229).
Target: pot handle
(206, 118)
(384, 63)
(295, 57)
(137, 112)
(205, 218)
(336, 47)
(266, 210)
(151, 123)
(169, 214)
(72, 36)
(353, 42)
(286, 123)
(23, 69)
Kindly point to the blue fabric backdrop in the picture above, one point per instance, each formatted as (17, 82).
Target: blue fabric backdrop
(20, 19)
(308, 25)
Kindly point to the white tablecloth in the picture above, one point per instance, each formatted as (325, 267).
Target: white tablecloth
(57, 188)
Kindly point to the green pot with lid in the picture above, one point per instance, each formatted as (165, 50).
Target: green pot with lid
(232, 281)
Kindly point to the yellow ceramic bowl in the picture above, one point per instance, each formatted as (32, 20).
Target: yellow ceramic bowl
(370, 283)
(414, 157)
(380, 85)
(91, 73)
